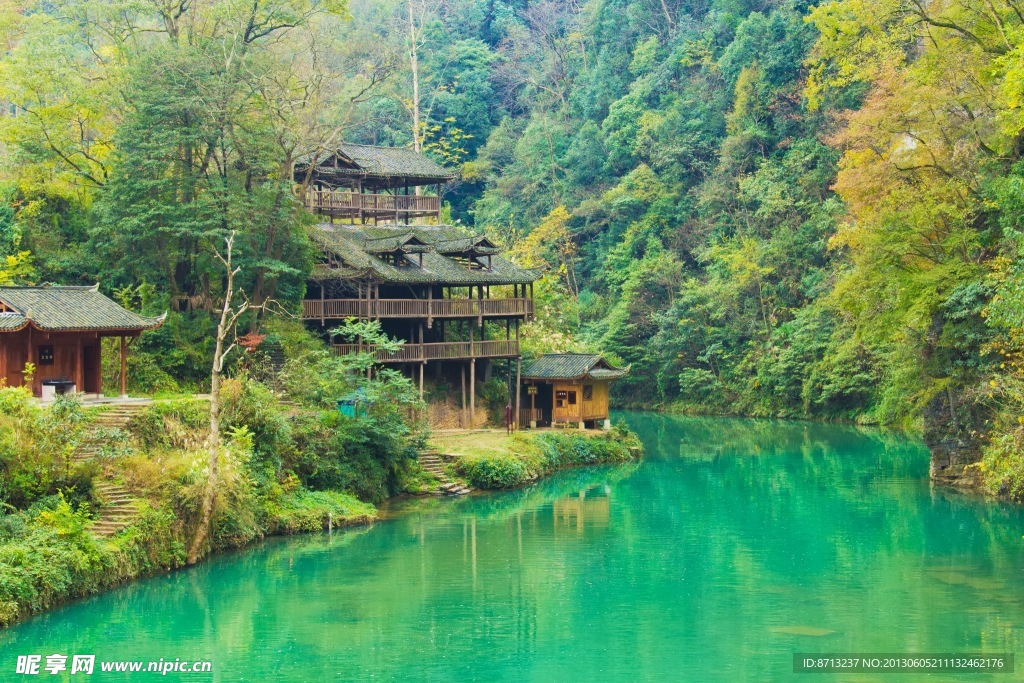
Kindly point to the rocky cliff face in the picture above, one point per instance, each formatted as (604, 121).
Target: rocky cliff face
(954, 432)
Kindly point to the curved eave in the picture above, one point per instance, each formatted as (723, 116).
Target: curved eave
(153, 324)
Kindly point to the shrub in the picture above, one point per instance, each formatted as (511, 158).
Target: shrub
(358, 455)
(499, 471)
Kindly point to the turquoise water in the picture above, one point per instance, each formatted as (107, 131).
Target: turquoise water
(734, 544)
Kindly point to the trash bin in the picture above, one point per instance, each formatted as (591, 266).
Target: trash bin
(52, 387)
(353, 404)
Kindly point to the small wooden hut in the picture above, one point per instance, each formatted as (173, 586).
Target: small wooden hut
(58, 330)
(567, 388)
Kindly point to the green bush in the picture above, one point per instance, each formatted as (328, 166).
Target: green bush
(495, 471)
(358, 455)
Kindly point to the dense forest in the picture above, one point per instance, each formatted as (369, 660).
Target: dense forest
(766, 207)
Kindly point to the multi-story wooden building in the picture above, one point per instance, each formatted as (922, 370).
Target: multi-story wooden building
(367, 185)
(448, 294)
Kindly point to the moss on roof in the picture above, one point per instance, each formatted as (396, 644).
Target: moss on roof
(353, 246)
(572, 366)
(393, 161)
(56, 309)
(378, 166)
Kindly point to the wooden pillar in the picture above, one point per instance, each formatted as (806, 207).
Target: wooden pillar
(430, 303)
(29, 358)
(80, 366)
(321, 304)
(359, 198)
(462, 369)
(422, 366)
(472, 392)
(519, 368)
(124, 367)
(480, 304)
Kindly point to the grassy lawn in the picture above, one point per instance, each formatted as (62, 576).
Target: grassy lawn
(490, 441)
(475, 442)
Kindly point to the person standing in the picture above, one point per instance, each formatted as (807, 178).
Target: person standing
(509, 416)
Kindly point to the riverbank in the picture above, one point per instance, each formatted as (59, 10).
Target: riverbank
(285, 470)
(730, 545)
(492, 459)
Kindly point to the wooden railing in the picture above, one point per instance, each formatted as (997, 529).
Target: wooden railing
(527, 415)
(336, 309)
(340, 201)
(415, 353)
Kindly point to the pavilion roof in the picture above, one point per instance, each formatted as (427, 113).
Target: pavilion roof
(65, 309)
(358, 249)
(379, 167)
(572, 366)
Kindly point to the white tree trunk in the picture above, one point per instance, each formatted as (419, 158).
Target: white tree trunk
(228, 317)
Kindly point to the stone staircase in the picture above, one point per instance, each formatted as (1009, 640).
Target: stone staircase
(119, 508)
(432, 463)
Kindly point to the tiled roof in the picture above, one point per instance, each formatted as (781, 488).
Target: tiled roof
(572, 366)
(68, 308)
(393, 161)
(355, 247)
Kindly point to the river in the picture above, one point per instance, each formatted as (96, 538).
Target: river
(733, 545)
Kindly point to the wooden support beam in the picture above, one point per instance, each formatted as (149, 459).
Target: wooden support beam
(430, 303)
(472, 392)
(80, 366)
(124, 367)
(462, 369)
(519, 368)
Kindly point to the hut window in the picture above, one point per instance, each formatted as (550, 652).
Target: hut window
(560, 398)
(588, 392)
(572, 398)
(46, 355)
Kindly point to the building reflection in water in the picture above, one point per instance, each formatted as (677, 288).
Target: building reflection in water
(590, 507)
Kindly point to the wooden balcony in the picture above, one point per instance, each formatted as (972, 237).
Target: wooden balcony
(361, 205)
(418, 353)
(339, 309)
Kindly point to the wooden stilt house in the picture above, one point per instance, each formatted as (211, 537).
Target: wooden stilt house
(453, 299)
(449, 295)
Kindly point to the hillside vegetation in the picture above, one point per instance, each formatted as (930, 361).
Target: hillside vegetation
(766, 207)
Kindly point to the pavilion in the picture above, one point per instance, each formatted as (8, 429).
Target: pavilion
(59, 331)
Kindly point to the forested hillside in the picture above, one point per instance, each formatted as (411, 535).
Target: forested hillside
(767, 208)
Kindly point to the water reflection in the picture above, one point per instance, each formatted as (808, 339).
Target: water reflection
(733, 545)
(591, 507)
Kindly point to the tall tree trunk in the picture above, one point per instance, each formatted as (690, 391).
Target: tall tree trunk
(414, 63)
(228, 317)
